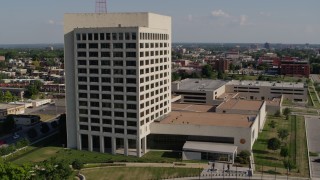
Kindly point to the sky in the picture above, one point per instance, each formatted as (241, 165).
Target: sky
(207, 21)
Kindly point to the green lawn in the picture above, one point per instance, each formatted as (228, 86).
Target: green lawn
(127, 173)
(269, 160)
(70, 155)
(49, 148)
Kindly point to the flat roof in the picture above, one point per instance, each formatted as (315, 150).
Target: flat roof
(274, 102)
(208, 119)
(267, 84)
(8, 106)
(209, 147)
(241, 104)
(226, 96)
(191, 107)
(199, 84)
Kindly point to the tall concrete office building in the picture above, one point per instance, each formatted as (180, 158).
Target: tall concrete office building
(118, 78)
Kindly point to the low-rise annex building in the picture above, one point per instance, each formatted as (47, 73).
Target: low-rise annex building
(198, 126)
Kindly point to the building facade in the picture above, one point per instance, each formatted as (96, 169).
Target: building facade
(118, 79)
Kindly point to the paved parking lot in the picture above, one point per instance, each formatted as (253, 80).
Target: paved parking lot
(313, 129)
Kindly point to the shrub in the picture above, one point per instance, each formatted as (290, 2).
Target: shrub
(274, 144)
(284, 151)
(244, 157)
(77, 164)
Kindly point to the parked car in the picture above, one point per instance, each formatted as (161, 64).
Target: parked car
(16, 136)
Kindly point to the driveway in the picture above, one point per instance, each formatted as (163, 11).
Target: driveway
(313, 135)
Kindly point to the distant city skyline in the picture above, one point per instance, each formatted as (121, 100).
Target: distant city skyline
(207, 21)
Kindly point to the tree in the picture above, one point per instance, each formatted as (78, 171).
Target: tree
(175, 76)
(33, 89)
(277, 114)
(284, 152)
(53, 169)
(207, 71)
(77, 164)
(286, 111)
(289, 164)
(274, 144)
(272, 124)
(244, 157)
(221, 75)
(7, 96)
(283, 134)
(14, 172)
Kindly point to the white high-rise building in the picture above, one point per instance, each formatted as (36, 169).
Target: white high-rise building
(118, 78)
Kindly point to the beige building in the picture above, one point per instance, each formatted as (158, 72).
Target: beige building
(6, 109)
(203, 91)
(265, 90)
(202, 133)
(118, 79)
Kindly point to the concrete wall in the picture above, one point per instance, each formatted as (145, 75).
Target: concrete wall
(265, 92)
(237, 133)
(191, 155)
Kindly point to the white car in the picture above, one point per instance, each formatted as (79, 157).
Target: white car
(16, 136)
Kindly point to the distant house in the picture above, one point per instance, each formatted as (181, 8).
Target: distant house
(6, 109)
(2, 58)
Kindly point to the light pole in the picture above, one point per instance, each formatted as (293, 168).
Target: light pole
(223, 170)
(262, 172)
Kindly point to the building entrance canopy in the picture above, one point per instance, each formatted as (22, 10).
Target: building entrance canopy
(209, 151)
(209, 147)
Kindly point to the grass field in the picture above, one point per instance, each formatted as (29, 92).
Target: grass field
(313, 97)
(270, 161)
(127, 173)
(50, 148)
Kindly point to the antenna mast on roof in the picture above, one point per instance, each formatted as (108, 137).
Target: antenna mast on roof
(101, 6)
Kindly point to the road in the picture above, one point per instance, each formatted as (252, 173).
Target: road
(45, 109)
(313, 135)
(315, 78)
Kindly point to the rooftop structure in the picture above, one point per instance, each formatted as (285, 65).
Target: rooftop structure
(241, 105)
(209, 119)
(266, 84)
(199, 84)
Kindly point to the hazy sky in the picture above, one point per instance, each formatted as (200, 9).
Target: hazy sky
(216, 21)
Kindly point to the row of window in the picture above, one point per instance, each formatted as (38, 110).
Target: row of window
(153, 61)
(107, 63)
(107, 71)
(152, 109)
(107, 80)
(154, 53)
(107, 88)
(106, 36)
(106, 45)
(118, 114)
(108, 105)
(108, 129)
(115, 54)
(154, 69)
(93, 96)
(153, 116)
(153, 45)
(154, 36)
(106, 121)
